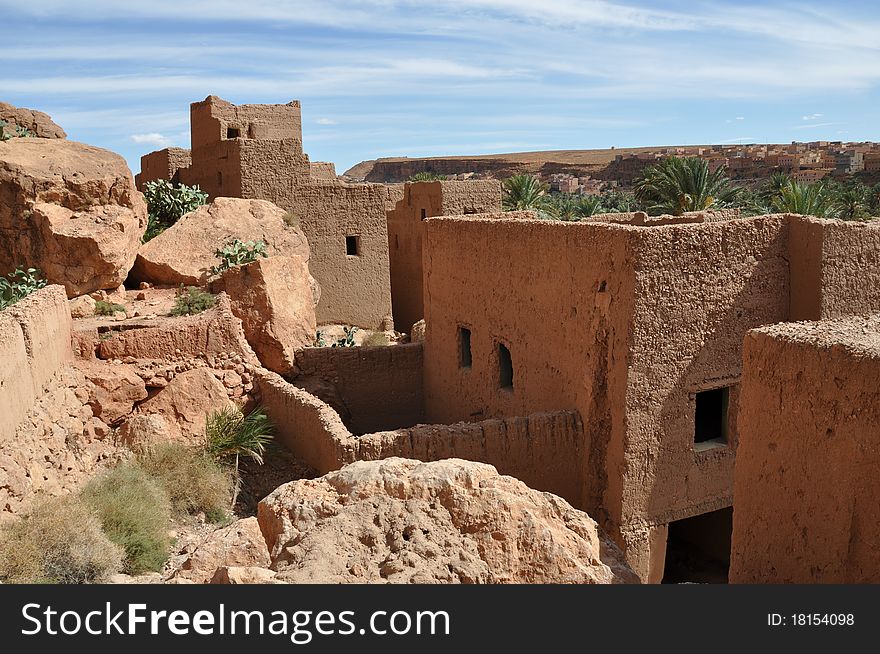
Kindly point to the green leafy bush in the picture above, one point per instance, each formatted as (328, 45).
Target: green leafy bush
(191, 301)
(9, 132)
(58, 541)
(426, 177)
(193, 480)
(134, 511)
(19, 284)
(166, 204)
(238, 253)
(103, 308)
(348, 339)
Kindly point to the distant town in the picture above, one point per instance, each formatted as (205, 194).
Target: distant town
(589, 172)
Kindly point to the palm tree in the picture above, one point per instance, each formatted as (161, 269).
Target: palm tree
(524, 192)
(805, 199)
(676, 185)
(851, 202)
(774, 186)
(229, 433)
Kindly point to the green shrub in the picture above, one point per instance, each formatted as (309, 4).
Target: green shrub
(19, 284)
(166, 204)
(58, 541)
(191, 301)
(238, 253)
(9, 132)
(426, 177)
(135, 512)
(193, 480)
(348, 339)
(376, 339)
(103, 308)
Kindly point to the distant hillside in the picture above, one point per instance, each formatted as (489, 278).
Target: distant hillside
(576, 162)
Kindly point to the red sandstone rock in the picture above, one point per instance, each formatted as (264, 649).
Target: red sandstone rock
(36, 122)
(115, 390)
(451, 521)
(184, 253)
(243, 575)
(241, 544)
(274, 300)
(70, 210)
(185, 404)
(82, 307)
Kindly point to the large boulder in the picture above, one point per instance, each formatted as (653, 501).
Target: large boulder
(184, 253)
(451, 521)
(184, 404)
(70, 210)
(273, 298)
(113, 391)
(240, 544)
(39, 124)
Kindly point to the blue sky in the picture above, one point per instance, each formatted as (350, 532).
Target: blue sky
(395, 77)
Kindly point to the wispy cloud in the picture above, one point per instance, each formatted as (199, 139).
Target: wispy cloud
(325, 121)
(153, 138)
(812, 116)
(815, 125)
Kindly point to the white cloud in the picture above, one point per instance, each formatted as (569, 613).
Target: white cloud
(153, 138)
(814, 125)
(740, 118)
(325, 121)
(812, 116)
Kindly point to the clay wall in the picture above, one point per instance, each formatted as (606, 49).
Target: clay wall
(35, 343)
(212, 118)
(523, 447)
(322, 170)
(806, 483)
(162, 164)
(699, 289)
(406, 231)
(371, 388)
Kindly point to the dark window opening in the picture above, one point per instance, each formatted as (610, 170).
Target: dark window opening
(698, 549)
(353, 246)
(710, 419)
(464, 347)
(603, 286)
(505, 367)
(424, 213)
(468, 212)
(232, 132)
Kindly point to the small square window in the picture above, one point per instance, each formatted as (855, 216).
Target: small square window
(710, 417)
(353, 246)
(232, 133)
(505, 367)
(465, 359)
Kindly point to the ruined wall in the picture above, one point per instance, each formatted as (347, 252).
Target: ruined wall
(34, 346)
(559, 297)
(212, 119)
(322, 170)
(524, 447)
(162, 164)
(406, 233)
(371, 388)
(806, 483)
(699, 289)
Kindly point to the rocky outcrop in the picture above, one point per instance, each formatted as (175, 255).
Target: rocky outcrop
(451, 521)
(39, 124)
(70, 210)
(184, 253)
(243, 575)
(240, 544)
(114, 390)
(273, 298)
(178, 411)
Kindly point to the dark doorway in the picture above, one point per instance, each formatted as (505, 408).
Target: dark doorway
(698, 549)
(232, 133)
(505, 367)
(465, 358)
(353, 246)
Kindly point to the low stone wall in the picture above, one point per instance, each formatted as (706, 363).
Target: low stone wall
(372, 388)
(209, 334)
(545, 450)
(34, 346)
(805, 493)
